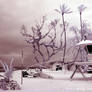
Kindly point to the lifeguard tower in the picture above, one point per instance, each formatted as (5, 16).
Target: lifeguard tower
(87, 45)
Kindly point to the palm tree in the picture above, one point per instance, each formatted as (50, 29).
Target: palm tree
(64, 10)
(81, 8)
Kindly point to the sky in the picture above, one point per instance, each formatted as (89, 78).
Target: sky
(15, 13)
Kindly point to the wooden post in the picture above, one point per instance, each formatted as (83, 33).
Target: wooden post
(22, 58)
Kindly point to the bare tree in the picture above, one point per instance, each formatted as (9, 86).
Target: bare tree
(64, 10)
(38, 38)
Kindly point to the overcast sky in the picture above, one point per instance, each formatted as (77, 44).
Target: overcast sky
(14, 13)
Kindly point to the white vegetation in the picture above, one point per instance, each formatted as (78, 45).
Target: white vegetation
(81, 8)
(8, 69)
(6, 82)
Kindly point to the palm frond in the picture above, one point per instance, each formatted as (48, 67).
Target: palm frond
(3, 65)
(81, 8)
(12, 60)
(57, 10)
(8, 69)
(63, 9)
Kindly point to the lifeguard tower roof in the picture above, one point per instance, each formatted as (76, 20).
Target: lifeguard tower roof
(86, 44)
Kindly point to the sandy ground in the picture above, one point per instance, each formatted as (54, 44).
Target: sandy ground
(60, 83)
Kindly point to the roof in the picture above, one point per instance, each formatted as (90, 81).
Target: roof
(84, 43)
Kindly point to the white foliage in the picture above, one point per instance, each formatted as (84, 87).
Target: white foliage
(63, 9)
(8, 69)
(81, 8)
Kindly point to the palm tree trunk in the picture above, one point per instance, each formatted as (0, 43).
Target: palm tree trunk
(81, 26)
(81, 33)
(64, 38)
